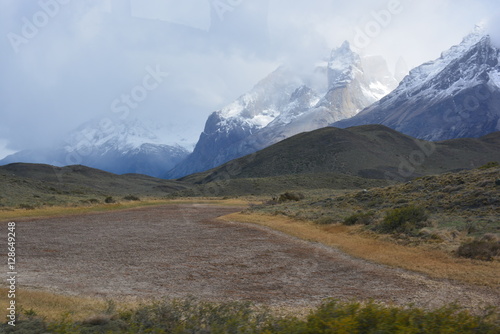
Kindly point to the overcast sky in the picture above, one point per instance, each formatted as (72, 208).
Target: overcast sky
(64, 62)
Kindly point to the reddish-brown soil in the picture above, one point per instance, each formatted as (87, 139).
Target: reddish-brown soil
(181, 250)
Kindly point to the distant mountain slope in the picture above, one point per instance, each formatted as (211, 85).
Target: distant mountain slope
(286, 103)
(371, 151)
(119, 147)
(37, 184)
(455, 96)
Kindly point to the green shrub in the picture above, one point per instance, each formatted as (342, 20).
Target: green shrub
(404, 220)
(290, 196)
(109, 200)
(359, 218)
(480, 250)
(332, 316)
(131, 198)
(337, 317)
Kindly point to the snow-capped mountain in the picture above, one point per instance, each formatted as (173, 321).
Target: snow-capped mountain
(113, 145)
(455, 96)
(288, 102)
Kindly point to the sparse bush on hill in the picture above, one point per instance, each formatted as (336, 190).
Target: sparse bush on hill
(404, 220)
(359, 218)
(483, 249)
(109, 200)
(131, 198)
(290, 196)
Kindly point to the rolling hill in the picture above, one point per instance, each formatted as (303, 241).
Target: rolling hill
(371, 152)
(31, 185)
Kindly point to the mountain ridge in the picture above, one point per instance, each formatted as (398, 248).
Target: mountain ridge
(117, 146)
(284, 104)
(454, 96)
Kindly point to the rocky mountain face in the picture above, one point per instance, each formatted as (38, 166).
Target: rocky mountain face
(455, 96)
(286, 103)
(116, 146)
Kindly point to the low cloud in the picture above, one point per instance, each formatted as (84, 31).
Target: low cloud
(492, 27)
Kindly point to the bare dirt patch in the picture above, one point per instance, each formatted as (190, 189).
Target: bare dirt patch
(181, 250)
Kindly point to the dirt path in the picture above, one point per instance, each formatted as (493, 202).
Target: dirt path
(180, 250)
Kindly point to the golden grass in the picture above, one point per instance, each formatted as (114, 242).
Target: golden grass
(53, 306)
(434, 263)
(57, 211)
(54, 211)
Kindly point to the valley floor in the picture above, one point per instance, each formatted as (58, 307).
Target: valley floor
(182, 250)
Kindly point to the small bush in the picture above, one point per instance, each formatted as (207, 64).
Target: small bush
(97, 320)
(480, 250)
(93, 201)
(109, 200)
(404, 220)
(359, 218)
(131, 198)
(290, 196)
(27, 206)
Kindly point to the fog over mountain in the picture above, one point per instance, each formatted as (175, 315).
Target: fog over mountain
(65, 63)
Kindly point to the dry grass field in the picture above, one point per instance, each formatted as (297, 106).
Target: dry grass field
(370, 246)
(181, 250)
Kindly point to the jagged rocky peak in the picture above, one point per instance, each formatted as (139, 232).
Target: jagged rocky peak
(288, 101)
(342, 66)
(261, 104)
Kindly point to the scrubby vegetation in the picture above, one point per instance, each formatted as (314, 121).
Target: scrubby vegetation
(491, 164)
(403, 220)
(444, 211)
(480, 249)
(290, 196)
(191, 316)
(32, 186)
(109, 200)
(131, 198)
(359, 218)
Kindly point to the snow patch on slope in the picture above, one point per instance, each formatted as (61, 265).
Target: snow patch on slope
(495, 78)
